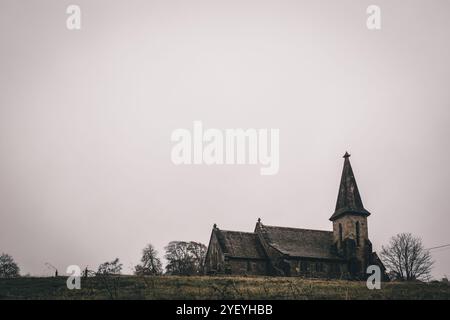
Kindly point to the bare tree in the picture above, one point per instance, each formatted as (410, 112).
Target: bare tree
(185, 258)
(110, 268)
(150, 263)
(8, 268)
(109, 275)
(406, 258)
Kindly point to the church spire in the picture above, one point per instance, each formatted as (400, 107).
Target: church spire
(348, 201)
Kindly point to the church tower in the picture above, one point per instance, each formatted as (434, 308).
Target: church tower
(350, 229)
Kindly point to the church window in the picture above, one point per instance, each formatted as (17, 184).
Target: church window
(357, 233)
(340, 232)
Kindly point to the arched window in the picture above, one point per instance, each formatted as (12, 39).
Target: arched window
(340, 232)
(357, 233)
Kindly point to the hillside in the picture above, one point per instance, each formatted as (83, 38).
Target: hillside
(133, 287)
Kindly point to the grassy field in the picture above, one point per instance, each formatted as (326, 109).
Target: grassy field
(165, 287)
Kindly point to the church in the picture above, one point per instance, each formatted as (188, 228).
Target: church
(343, 253)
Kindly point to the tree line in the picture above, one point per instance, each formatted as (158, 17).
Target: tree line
(405, 258)
(183, 258)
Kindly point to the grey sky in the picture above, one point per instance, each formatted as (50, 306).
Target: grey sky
(86, 118)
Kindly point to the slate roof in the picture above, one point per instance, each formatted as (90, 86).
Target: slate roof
(240, 244)
(300, 242)
(349, 199)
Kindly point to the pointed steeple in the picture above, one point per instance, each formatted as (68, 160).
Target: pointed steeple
(348, 201)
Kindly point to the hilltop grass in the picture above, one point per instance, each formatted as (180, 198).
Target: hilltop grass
(174, 287)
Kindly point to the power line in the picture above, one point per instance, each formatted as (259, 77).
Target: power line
(440, 250)
(438, 247)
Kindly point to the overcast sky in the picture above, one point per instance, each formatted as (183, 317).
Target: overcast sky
(86, 118)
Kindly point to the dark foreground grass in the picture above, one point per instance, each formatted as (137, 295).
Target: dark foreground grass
(171, 287)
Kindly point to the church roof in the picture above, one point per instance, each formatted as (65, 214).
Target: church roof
(349, 200)
(240, 244)
(300, 242)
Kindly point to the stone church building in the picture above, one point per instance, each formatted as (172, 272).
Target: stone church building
(344, 252)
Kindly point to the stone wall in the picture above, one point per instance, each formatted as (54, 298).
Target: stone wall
(219, 263)
(348, 223)
(314, 268)
(358, 252)
(215, 260)
(243, 266)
